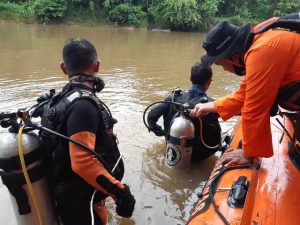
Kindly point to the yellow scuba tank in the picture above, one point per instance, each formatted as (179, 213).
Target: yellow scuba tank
(180, 142)
(27, 211)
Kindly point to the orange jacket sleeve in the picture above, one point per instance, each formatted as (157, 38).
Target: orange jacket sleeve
(86, 165)
(231, 105)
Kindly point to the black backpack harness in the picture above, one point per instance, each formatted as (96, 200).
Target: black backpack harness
(56, 111)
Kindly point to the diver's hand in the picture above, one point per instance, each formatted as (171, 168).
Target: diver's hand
(235, 157)
(158, 131)
(125, 203)
(202, 108)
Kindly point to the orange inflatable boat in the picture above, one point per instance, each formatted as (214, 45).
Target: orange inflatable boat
(266, 192)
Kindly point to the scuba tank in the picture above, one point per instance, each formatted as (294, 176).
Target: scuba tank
(12, 176)
(180, 138)
(22, 171)
(180, 142)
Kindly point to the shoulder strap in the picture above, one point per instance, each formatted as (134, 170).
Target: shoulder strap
(193, 100)
(177, 93)
(57, 108)
(290, 22)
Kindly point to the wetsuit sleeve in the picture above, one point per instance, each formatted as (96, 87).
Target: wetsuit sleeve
(156, 112)
(82, 126)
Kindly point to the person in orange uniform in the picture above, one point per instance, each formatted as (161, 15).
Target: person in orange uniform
(75, 173)
(269, 61)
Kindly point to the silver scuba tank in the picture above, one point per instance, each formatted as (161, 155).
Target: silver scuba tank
(180, 143)
(12, 176)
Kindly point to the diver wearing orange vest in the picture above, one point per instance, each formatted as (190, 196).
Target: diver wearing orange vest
(270, 61)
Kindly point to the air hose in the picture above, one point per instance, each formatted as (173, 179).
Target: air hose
(91, 151)
(201, 136)
(94, 193)
(170, 102)
(26, 176)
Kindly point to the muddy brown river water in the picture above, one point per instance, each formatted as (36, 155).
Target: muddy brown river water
(139, 68)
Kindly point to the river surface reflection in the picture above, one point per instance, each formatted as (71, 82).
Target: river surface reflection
(139, 67)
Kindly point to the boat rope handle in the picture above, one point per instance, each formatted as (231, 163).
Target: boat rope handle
(213, 183)
(26, 176)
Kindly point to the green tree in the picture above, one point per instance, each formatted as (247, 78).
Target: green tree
(263, 9)
(236, 11)
(255, 11)
(208, 10)
(184, 15)
(284, 7)
(9, 10)
(49, 10)
(126, 14)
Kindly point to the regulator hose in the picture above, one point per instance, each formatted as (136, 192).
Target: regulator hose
(91, 151)
(106, 107)
(170, 102)
(26, 176)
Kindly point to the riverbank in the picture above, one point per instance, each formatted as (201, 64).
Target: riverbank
(159, 15)
(176, 15)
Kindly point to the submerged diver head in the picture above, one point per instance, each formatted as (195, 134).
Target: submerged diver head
(201, 75)
(81, 64)
(225, 44)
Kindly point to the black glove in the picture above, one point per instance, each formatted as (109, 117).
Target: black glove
(125, 203)
(158, 131)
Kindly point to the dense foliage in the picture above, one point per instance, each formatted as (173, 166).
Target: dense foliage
(126, 14)
(183, 15)
(49, 10)
(255, 10)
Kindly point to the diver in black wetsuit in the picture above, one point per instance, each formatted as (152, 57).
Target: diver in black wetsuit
(207, 131)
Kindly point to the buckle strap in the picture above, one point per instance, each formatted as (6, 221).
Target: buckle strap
(15, 181)
(13, 163)
(187, 142)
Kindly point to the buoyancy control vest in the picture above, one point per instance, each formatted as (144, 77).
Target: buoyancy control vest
(207, 133)
(58, 164)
